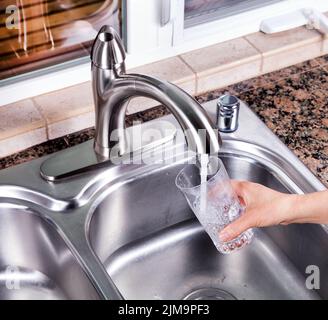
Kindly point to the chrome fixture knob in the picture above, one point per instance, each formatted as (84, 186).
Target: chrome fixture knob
(228, 113)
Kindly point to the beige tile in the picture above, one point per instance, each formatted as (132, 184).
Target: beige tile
(140, 104)
(66, 103)
(291, 57)
(18, 118)
(271, 43)
(173, 70)
(22, 141)
(325, 45)
(71, 125)
(228, 77)
(283, 49)
(325, 42)
(220, 56)
(223, 64)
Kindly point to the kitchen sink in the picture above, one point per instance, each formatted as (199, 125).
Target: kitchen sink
(35, 262)
(153, 248)
(126, 232)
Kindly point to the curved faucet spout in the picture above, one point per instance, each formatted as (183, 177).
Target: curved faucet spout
(113, 89)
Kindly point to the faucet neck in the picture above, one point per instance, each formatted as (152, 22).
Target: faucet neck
(113, 89)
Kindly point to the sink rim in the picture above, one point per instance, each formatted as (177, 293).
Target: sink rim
(95, 187)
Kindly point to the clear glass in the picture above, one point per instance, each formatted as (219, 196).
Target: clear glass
(202, 11)
(209, 193)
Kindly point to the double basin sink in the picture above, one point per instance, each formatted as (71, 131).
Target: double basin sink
(127, 232)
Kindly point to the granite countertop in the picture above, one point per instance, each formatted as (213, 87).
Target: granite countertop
(292, 102)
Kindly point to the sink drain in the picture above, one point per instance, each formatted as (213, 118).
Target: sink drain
(209, 294)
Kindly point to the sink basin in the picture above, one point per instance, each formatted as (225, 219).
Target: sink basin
(127, 232)
(35, 263)
(153, 248)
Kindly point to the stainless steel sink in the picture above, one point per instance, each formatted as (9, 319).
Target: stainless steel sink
(126, 231)
(152, 247)
(35, 262)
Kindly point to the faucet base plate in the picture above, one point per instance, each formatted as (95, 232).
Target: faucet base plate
(140, 138)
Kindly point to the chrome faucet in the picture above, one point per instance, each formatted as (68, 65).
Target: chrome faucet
(113, 88)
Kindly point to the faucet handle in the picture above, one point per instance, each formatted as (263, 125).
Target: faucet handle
(107, 50)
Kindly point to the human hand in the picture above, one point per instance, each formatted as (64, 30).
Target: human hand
(264, 207)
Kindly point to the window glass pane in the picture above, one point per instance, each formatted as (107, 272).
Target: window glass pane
(40, 33)
(202, 11)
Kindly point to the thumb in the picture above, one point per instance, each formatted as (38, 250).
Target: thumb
(235, 228)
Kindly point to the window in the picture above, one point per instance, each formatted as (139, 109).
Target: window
(174, 26)
(38, 33)
(57, 34)
(202, 11)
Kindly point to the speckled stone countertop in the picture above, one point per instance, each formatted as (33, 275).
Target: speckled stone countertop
(293, 102)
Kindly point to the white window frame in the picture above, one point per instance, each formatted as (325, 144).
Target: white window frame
(149, 41)
(154, 30)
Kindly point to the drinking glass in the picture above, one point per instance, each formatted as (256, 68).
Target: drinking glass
(208, 191)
